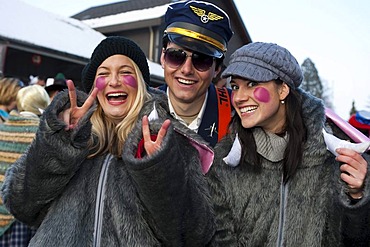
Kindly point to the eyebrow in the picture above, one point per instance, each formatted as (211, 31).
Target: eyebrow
(120, 67)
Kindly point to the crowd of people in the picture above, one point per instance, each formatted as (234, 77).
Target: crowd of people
(192, 163)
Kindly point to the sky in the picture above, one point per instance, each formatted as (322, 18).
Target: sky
(335, 35)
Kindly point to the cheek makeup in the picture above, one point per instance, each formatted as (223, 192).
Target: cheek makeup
(261, 94)
(129, 80)
(100, 83)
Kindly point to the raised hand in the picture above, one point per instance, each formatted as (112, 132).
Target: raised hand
(149, 145)
(353, 170)
(72, 115)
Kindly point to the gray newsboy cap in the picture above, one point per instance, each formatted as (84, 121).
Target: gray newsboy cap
(264, 62)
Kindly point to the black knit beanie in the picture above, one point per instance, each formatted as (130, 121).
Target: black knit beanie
(110, 46)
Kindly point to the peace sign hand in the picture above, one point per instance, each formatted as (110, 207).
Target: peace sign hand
(149, 145)
(72, 115)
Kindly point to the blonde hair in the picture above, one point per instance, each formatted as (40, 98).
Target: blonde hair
(111, 137)
(32, 99)
(9, 88)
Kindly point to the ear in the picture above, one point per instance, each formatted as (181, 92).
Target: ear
(217, 71)
(284, 91)
(162, 58)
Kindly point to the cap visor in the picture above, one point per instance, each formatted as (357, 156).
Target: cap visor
(249, 71)
(195, 45)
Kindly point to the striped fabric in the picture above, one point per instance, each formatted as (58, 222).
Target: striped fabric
(16, 133)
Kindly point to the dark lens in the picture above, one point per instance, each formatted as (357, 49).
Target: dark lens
(174, 57)
(202, 62)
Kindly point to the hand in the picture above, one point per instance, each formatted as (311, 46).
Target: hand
(72, 115)
(149, 145)
(353, 170)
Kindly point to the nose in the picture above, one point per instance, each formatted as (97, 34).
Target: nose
(115, 81)
(239, 96)
(187, 67)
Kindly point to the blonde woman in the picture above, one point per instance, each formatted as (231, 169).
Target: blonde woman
(91, 179)
(32, 100)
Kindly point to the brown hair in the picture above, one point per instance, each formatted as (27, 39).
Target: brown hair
(9, 88)
(295, 128)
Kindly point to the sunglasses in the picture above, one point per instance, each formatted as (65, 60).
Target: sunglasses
(177, 57)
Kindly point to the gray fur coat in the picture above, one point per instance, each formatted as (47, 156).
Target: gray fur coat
(312, 209)
(160, 200)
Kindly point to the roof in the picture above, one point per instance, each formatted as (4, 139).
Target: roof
(128, 17)
(46, 30)
(117, 8)
(143, 11)
(50, 32)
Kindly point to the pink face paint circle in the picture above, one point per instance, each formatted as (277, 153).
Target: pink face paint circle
(262, 94)
(129, 80)
(100, 83)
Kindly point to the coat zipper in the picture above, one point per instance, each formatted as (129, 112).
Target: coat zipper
(99, 207)
(283, 202)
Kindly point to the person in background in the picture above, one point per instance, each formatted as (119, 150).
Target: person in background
(273, 180)
(16, 134)
(55, 85)
(116, 172)
(39, 80)
(9, 88)
(194, 46)
(361, 121)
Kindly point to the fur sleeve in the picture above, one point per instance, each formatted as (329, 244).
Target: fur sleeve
(172, 188)
(225, 234)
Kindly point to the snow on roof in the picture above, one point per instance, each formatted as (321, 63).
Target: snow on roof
(29, 24)
(25, 23)
(128, 17)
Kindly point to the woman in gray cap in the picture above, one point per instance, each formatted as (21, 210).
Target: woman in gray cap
(274, 182)
(90, 178)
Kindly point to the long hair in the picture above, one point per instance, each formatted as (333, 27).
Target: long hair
(109, 137)
(295, 129)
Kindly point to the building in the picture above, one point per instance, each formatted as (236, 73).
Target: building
(36, 42)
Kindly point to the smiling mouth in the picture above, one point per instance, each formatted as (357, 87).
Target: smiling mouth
(186, 82)
(117, 97)
(248, 109)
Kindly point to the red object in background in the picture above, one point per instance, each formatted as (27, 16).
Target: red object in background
(36, 59)
(352, 120)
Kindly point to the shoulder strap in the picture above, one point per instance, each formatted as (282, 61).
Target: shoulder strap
(224, 111)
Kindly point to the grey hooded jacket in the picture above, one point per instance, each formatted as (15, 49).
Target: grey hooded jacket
(159, 200)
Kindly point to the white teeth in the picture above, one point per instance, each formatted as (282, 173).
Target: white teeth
(187, 82)
(116, 94)
(248, 109)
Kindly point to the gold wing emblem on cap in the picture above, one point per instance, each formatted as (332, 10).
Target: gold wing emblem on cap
(214, 17)
(203, 17)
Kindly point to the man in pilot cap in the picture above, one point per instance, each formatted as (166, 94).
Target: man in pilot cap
(194, 45)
